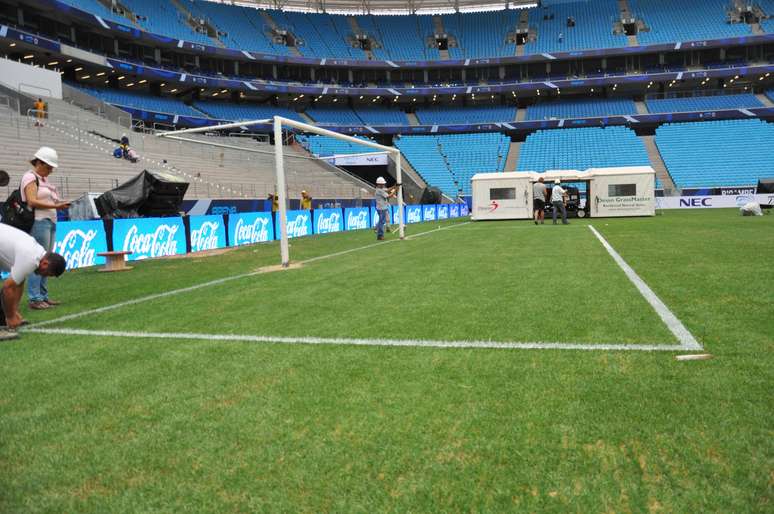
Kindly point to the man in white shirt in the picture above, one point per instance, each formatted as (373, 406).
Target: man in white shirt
(20, 256)
(558, 201)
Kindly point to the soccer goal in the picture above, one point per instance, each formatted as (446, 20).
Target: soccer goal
(281, 124)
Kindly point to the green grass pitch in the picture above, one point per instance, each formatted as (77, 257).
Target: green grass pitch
(101, 424)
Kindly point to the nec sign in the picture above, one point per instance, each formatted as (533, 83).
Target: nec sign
(696, 202)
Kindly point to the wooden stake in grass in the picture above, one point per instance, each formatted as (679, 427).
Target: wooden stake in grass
(695, 357)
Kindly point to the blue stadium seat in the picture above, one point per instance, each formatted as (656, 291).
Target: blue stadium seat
(449, 161)
(581, 148)
(381, 116)
(686, 20)
(581, 108)
(245, 28)
(327, 115)
(703, 103)
(473, 114)
(143, 101)
(324, 146)
(165, 19)
(241, 112)
(593, 27)
(717, 153)
(95, 7)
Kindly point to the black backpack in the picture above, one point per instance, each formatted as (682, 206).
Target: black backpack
(17, 213)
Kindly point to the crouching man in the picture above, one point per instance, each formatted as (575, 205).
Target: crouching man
(21, 255)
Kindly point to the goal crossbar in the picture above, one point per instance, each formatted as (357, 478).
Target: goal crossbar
(279, 122)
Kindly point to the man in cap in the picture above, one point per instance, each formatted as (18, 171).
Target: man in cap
(382, 198)
(21, 256)
(558, 201)
(306, 201)
(539, 195)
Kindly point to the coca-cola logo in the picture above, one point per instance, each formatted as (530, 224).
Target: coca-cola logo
(255, 232)
(413, 215)
(357, 220)
(205, 237)
(76, 248)
(299, 226)
(159, 243)
(443, 213)
(328, 223)
(454, 211)
(429, 213)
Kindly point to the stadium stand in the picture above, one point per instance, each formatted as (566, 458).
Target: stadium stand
(452, 23)
(143, 101)
(95, 7)
(317, 34)
(381, 116)
(239, 112)
(326, 115)
(324, 146)
(593, 27)
(703, 103)
(448, 161)
(581, 108)
(770, 94)
(403, 37)
(581, 148)
(717, 153)
(244, 27)
(687, 20)
(484, 33)
(475, 114)
(165, 19)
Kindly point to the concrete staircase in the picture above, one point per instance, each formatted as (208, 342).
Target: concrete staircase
(521, 114)
(412, 118)
(641, 107)
(657, 163)
(190, 17)
(513, 156)
(438, 28)
(626, 13)
(764, 100)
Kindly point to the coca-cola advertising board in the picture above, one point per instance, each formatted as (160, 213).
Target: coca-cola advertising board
(454, 211)
(328, 220)
(207, 233)
(443, 212)
(79, 242)
(147, 238)
(250, 227)
(413, 214)
(356, 218)
(299, 224)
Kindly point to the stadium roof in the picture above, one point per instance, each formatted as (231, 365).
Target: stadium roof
(383, 6)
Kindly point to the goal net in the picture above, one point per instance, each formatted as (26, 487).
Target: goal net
(279, 124)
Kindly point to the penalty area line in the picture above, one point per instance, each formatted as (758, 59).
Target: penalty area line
(223, 280)
(687, 341)
(342, 341)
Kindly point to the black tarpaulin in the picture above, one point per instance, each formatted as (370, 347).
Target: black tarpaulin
(151, 193)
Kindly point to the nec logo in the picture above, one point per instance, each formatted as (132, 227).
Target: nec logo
(695, 202)
(224, 210)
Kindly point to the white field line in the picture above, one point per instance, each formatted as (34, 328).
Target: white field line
(188, 289)
(687, 341)
(417, 343)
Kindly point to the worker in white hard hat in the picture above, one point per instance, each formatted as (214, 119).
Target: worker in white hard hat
(558, 202)
(382, 197)
(41, 194)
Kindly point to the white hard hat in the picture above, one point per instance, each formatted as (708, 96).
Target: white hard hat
(380, 181)
(47, 155)
(557, 181)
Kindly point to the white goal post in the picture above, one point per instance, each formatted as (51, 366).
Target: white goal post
(279, 122)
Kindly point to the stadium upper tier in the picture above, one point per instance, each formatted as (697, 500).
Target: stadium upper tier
(717, 153)
(585, 108)
(582, 148)
(703, 103)
(596, 24)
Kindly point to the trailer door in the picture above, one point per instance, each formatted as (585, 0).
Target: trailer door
(508, 200)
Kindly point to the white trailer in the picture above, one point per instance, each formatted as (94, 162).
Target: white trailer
(610, 192)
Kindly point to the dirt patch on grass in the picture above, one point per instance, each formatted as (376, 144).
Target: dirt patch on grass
(202, 254)
(278, 267)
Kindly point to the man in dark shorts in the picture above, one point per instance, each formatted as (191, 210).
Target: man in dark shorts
(539, 194)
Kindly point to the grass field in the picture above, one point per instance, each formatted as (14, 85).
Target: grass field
(185, 423)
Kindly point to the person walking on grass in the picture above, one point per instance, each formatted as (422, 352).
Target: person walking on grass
(382, 198)
(558, 201)
(21, 256)
(40, 194)
(539, 196)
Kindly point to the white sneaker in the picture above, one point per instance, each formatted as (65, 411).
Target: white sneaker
(7, 333)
